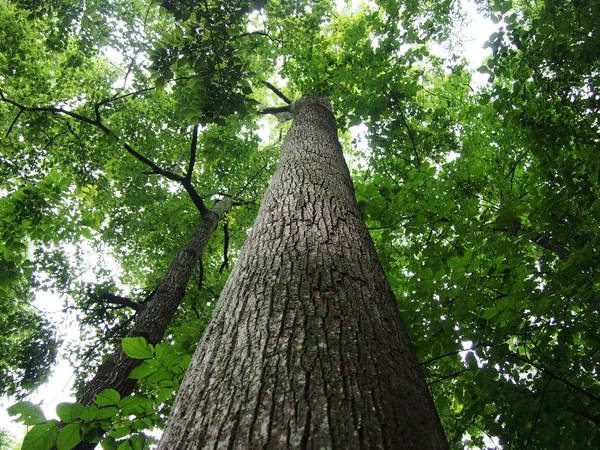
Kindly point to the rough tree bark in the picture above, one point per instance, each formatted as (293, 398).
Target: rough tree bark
(306, 348)
(156, 315)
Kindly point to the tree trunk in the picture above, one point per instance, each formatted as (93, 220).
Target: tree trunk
(156, 315)
(306, 348)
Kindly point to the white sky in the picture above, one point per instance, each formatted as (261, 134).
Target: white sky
(58, 388)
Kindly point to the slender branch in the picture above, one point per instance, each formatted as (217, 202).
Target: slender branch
(456, 352)
(412, 138)
(558, 248)
(585, 414)
(410, 134)
(279, 94)
(188, 175)
(556, 377)
(250, 181)
(445, 377)
(120, 97)
(516, 164)
(537, 413)
(97, 122)
(225, 247)
(14, 122)
(460, 433)
(115, 300)
(283, 113)
(258, 33)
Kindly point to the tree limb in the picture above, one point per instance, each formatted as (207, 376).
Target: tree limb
(97, 122)
(225, 247)
(279, 94)
(190, 170)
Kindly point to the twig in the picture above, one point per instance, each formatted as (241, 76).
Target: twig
(258, 33)
(250, 181)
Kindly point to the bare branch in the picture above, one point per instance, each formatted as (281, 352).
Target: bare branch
(14, 122)
(115, 300)
(225, 247)
(279, 94)
(188, 175)
(250, 181)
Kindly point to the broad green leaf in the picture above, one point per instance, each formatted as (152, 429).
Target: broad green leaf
(107, 397)
(41, 436)
(109, 443)
(68, 436)
(142, 371)
(30, 413)
(67, 412)
(121, 432)
(454, 262)
(466, 259)
(89, 414)
(490, 313)
(137, 441)
(107, 412)
(137, 348)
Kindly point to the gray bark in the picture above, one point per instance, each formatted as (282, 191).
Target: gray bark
(306, 348)
(156, 315)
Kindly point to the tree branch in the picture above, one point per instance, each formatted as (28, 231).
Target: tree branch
(250, 181)
(279, 94)
(115, 300)
(14, 123)
(225, 247)
(188, 175)
(558, 248)
(97, 122)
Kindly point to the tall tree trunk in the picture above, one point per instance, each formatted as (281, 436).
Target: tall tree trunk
(306, 348)
(156, 315)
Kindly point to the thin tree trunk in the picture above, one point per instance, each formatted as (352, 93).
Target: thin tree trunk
(156, 315)
(306, 348)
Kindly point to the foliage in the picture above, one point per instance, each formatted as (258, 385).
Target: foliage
(483, 202)
(121, 420)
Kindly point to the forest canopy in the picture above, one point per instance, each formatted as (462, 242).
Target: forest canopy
(124, 123)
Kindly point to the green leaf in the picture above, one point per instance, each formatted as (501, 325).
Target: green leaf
(90, 413)
(160, 83)
(142, 371)
(490, 313)
(137, 348)
(107, 413)
(124, 445)
(69, 436)
(90, 432)
(137, 441)
(86, 233)
(466, 259)
(42, 436)
(118, 433)
(109, 443)
(31, 414)
(107, 397)
(67, 412)
(454, 262)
